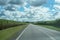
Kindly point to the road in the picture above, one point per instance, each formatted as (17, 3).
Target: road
(34, 32)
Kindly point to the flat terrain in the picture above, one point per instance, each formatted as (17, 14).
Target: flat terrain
(51, 27)
(34, 32)
(10, 32)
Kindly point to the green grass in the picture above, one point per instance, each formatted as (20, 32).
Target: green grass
(51, 27)
(7, 33)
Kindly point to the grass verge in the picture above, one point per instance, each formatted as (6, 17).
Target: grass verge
(51, 27)
(7, 33)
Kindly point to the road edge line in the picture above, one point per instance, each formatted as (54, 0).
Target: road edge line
(21, 33)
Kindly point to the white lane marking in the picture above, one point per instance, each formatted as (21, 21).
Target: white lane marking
(48, 35)
(21, 33)
(41, 31)
(49, 29)
(52, 38)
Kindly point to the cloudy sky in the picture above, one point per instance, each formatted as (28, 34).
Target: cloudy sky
(30, 10)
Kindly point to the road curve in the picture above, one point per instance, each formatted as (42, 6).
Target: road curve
(34, 32)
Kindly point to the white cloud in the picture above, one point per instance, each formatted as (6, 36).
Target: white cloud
(36, 2)
(4, 2)
(10, 8)
(12, 2)
(57, 1)
(57, 16)
(17, 2)
(33, 13)
(12, 15)
(57, 6)
(57, 10)
(39, 13)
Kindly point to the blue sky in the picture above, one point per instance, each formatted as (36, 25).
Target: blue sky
(30, 10)
(50, 4)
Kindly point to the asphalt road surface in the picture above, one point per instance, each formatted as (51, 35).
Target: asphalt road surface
(34, 32)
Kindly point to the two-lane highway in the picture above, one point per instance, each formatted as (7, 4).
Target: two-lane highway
(34, 32)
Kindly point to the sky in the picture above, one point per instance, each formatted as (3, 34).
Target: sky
(30, 10)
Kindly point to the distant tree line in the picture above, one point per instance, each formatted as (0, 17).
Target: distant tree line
(55, 23)
(9, 23)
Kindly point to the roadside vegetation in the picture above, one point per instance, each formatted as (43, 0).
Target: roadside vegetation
(51, 27)
(8, 28)
(55, 24)
(8, 33)
(9, 23)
